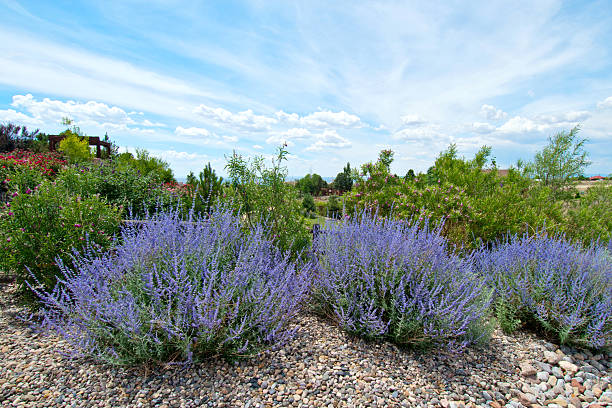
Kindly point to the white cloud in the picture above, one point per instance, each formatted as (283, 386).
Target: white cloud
(52, 110)
(192, 132)
(245, 120)
(11, 115)
(413, 120)
(544, 122)
(174, 155)
(482, 127)
(520, 124)
(563, 118)
(230, 139)
(289, 136)
(492, 113)
(258, 147)
(420, 134)
(148, 123)
(197, 135)
(329, 139)
(321, 119)
(606, 103)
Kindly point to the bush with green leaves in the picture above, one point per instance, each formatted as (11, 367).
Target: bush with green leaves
(133, 192)
(344, 181)
(334, 207)
(309, 205)
(589, 217)
(146, 165)
(387, 195)
(39, 227)
(477, 204)
(311, 184)
(561, 160)
(262, 194)
(203, 192)
(75, 147)
(14, 136)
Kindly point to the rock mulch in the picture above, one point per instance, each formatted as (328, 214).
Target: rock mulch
(321, 367)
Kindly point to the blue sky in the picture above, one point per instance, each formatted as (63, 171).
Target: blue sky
(338, 81)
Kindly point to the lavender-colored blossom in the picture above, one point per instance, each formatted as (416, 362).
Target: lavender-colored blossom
(552, 284)
(178, 290)
(387, 279)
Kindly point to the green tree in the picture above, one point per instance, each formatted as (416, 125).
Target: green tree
(410, 176)
(207, 188)
(334, 208)
(311, 184)
(308, 204)
(344, 180)
(74, 146)
(263, 195)
(559, 161)
(147, 165)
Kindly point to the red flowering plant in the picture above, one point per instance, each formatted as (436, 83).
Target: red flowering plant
(39, 227)
(22, 169)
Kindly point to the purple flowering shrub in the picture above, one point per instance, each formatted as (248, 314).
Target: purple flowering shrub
(387, 279)
(554, 285)
(178, 290)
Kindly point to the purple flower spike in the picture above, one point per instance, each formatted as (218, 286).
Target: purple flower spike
(178, 289)
(387, 279)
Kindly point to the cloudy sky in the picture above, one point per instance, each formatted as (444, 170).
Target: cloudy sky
(336, 80)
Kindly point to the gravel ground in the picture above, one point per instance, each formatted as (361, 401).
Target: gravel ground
(320, 367)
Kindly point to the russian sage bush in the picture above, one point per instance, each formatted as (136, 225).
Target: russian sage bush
(178, 290)
(553, 285)
(386, 279)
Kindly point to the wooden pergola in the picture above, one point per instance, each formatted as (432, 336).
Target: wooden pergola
(93, 141)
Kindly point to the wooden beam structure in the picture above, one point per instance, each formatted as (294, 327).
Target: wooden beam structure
(93, 141)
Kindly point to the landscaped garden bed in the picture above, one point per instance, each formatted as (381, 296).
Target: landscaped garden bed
(126, 290)
(320, 366)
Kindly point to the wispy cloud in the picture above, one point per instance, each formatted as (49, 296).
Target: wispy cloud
(332, 79)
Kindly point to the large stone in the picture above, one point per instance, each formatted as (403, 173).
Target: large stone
(527, 398)
(527, 370)
(542, 376)
(606, 397)
(569, 367)
(575, 401)
(559, 401)
(597, 391)
(551, 357)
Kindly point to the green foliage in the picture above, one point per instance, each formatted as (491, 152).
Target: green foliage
(308, 204)
(146, 165)
(321, 208)
(477, 205)
(37, 228)
(16, 137)
(205, 190)
(410, 176)
(311, 184)
(261, 193)
(558, 162)
(344, 181)
(334, 207)
(134, 193)
(590, 216)
(75, 147)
